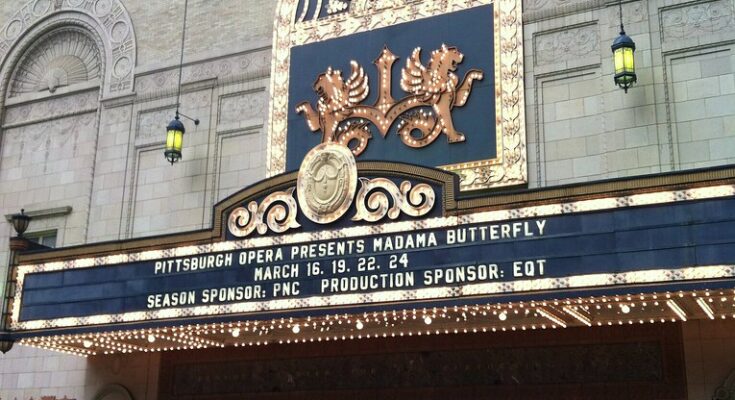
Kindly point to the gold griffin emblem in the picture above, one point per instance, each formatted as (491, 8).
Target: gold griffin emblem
(341, 117)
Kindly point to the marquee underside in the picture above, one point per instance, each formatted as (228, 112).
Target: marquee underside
(488, 316)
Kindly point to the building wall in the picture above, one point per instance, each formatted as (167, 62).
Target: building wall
(90, 166)
(680, 114)
(95, 168)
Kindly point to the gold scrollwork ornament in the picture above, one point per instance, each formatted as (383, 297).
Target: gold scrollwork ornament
(373, 204)
(276, 212)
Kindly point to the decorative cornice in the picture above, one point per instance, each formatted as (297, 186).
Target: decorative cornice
(44, 213)
(644, 184)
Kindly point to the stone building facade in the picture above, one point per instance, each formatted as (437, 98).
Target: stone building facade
(87, 88)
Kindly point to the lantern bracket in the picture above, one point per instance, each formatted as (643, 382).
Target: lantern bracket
(194, 120)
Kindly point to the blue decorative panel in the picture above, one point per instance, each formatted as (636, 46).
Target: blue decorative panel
(470, 31)
(433, 83)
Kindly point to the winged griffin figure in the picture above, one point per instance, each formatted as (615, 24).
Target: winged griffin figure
(438, 86)
(337, 99)
(433, 91)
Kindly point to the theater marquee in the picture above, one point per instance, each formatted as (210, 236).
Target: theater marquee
(346, 236)
(437, 83)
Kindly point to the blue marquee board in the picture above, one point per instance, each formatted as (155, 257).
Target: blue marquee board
(615, 243)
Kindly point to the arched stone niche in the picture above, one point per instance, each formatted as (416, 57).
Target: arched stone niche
(62, 57)
(106, 21)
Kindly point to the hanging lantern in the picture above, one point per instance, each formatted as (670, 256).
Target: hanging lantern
(623, 48)
(6, 345)
(175, 129)
(174, 140)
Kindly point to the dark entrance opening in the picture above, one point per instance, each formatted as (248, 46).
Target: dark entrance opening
(628, 362)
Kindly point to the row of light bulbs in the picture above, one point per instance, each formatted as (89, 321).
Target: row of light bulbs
(477, 318)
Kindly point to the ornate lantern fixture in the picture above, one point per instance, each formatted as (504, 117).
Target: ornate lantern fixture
(174, 140)
(623, 49)
(6, 345)
(20, 222)
(175, 129)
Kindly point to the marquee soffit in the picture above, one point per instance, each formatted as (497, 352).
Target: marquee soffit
(106, 21)
(394, 321)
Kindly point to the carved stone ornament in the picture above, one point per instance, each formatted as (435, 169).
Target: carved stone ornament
(373, 204)
(575, 42)
(536, 5)
(327, 182)
(697, 19)
(303, 22)
(60, 58)
(105, 22)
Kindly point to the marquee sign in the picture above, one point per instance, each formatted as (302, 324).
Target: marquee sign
(436, 82)
(342, 235)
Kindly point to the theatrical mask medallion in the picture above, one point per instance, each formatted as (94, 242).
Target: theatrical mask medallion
(327, 182)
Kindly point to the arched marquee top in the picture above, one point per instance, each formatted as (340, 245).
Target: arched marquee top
(108, 20)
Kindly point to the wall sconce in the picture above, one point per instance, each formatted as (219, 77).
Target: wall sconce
(20, 222)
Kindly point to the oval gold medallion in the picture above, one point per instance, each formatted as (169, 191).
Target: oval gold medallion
(327, 182)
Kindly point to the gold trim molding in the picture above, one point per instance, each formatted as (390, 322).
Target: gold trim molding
(509, 168)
